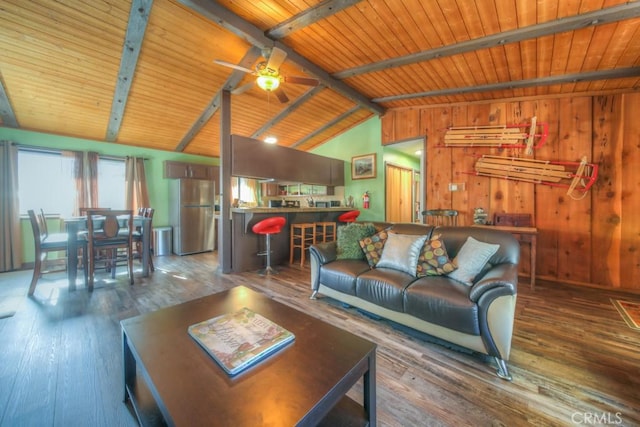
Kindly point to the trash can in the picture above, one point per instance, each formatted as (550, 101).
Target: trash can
(162, 239)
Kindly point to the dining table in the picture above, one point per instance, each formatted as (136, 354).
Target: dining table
(77, 224)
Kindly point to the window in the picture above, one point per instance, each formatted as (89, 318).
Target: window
(111, 185)
(45, 180)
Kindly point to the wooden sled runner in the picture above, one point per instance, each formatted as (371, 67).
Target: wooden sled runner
(577, 177)
(513, 136)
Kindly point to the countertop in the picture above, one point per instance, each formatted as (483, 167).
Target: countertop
(289, 210)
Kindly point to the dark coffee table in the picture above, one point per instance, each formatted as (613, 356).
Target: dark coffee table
(169, 379)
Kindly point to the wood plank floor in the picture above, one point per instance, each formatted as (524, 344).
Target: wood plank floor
(574, 360)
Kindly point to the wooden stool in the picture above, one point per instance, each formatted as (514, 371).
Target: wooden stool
(267, 227)
(325, 231)
(303, 235)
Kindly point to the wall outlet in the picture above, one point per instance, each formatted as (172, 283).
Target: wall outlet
(456, 186)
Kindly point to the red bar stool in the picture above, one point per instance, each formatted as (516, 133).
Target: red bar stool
(350, 216)
(268, 227)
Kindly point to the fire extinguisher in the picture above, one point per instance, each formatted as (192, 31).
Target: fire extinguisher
(365, 200)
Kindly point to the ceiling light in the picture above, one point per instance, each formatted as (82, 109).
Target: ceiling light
(271, 140)
(268, 83)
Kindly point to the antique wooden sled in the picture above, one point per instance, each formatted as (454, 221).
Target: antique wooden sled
(529, 136)
(577, 177)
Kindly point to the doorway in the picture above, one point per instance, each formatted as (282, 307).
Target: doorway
(400, 193)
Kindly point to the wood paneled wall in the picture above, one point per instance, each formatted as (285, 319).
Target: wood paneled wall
(592, 241)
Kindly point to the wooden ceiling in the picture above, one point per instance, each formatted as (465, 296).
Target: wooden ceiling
(142, 72)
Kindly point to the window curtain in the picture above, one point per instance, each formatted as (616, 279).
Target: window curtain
(10, 234)
(77, 173)
(136, 193)
(89, 189)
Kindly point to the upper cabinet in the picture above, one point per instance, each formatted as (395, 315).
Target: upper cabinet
(255, 159)
(182, 170)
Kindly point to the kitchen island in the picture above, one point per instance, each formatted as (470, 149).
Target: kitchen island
(245, 244)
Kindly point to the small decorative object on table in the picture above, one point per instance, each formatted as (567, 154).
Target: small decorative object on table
(240, 339)
(479, 216)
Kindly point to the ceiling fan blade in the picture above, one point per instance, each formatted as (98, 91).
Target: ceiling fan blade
(276, 58)
(302, 80)
(282, 97)
(242, 89)
(230, 65)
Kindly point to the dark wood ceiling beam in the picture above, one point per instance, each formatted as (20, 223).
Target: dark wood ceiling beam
(619, 73)
(571, 23)
(321, 11)
(6, 110)
(232, 82)
(252, 34)
(311, 92)
(138, 19)
(333, 122)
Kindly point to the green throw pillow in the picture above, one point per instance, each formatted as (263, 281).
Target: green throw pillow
(373, 245)
(433, 260)
(349, 236)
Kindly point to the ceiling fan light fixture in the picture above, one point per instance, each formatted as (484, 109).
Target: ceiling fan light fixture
(268, 83)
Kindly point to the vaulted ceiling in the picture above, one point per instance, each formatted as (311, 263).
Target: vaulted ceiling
(143, 72)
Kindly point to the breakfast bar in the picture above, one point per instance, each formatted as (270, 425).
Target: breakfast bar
(246, 244)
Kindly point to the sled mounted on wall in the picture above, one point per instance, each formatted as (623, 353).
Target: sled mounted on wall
(577, 177)
(529, 136)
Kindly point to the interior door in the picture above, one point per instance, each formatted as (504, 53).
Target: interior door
(399, 193)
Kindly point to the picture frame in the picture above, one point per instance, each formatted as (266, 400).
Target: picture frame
(363, 167)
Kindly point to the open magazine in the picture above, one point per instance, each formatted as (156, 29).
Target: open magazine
(240, 339)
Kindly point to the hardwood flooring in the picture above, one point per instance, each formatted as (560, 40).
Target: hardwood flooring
(574, 361)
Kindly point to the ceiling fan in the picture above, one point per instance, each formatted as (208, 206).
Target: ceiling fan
(268, 77)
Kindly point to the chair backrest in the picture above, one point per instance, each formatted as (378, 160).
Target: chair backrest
(441, 217)
(109, 227)
(38, 235)
(44, 228)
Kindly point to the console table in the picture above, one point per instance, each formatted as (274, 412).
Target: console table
(524, 235)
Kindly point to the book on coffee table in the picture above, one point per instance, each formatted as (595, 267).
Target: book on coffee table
(240, 339)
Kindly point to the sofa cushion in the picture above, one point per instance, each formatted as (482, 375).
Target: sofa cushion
(471, 259)
(383, 287)
(433, 259)
(372, 247)
(401, 252)
(445, 302)
(349, 237)
(341, 275)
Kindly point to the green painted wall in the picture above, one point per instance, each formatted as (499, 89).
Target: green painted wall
(154, 166)
(366, 138)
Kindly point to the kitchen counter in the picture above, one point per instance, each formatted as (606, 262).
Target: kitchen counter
(245, 244)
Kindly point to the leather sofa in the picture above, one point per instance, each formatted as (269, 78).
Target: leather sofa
(478, 317)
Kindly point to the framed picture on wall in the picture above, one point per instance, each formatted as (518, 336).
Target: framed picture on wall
(363, 166)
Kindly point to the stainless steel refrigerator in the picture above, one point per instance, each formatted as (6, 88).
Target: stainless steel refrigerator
(191, 213)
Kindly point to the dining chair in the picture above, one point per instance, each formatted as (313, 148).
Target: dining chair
(440, 217)
(137, 236)
(43, 244)
(109, 232)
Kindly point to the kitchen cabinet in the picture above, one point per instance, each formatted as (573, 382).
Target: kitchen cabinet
(178, 170)
(254, 159)
(271, 189)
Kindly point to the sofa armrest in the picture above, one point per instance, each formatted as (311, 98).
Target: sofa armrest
(500, 276)
(324, 252)
(319, 255)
